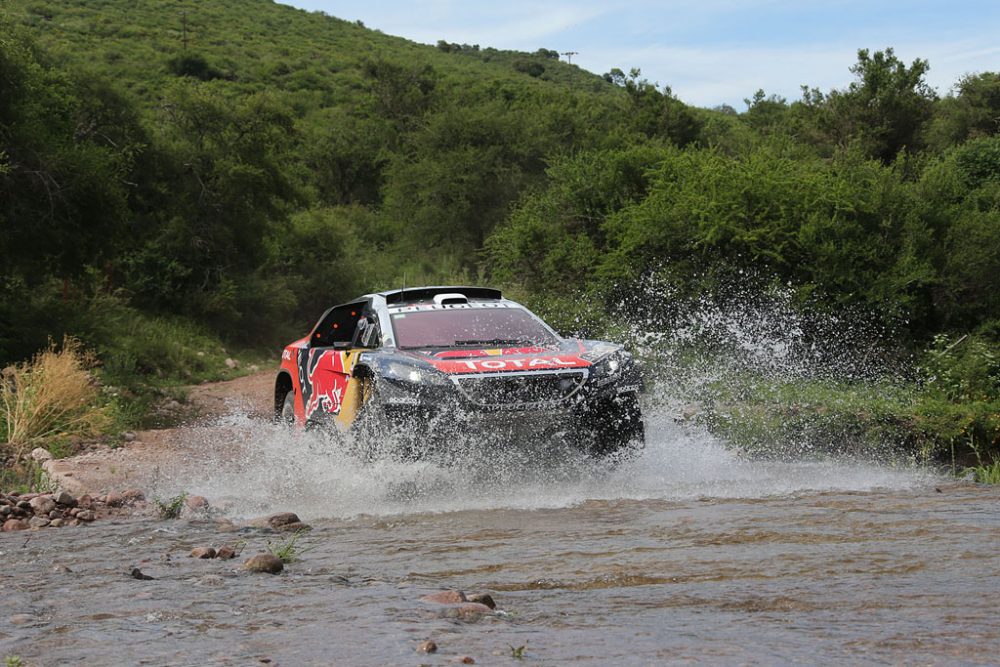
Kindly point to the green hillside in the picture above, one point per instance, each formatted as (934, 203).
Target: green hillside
(255, 44)
(225, 170)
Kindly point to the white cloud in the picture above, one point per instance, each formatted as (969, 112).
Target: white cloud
(713, 76)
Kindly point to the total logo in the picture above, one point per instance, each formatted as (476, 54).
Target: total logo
(510, 364)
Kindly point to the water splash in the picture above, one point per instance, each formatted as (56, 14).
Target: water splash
(694, 349)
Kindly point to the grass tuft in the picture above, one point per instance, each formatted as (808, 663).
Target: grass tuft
(51, 395)
(172, 508)
(289, 551)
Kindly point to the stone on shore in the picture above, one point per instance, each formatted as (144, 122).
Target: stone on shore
(10, 525)
(41, 455)
(133, 495)
(65, 499)
(42, 504)
(114, 499)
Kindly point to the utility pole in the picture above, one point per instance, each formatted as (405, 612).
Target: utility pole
(569, 56)
(184, 29)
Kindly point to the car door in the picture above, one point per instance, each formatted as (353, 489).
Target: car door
(326, 364)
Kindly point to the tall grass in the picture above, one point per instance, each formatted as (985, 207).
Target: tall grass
(51, 395)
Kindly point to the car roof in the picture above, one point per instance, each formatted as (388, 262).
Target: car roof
(421, 294)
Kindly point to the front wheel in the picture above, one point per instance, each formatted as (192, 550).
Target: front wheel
(613, 426)
(287, 414)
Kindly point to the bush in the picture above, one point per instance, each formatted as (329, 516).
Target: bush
(51, 395)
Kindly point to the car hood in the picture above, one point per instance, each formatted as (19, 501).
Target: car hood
(567, 355)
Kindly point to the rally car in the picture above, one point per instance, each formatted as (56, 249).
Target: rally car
(426, 367)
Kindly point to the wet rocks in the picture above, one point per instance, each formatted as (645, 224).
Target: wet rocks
(268, 563)
(427, 647)
(225, 553)
(138, 574)
(58, 509)
(37, 510)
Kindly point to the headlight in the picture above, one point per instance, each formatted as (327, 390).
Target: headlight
(612, 364)
(410, 374)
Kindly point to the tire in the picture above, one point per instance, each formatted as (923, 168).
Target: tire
(613, 426)
(377, 435)
(368, 425)
(287, 415)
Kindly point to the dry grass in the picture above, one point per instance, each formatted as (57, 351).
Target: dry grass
(51, 395)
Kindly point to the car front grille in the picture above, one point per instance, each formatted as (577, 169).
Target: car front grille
(520, 390)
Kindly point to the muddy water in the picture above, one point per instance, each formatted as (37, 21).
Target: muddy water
(688, 554)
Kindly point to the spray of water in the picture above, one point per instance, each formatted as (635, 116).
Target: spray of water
(693, 349)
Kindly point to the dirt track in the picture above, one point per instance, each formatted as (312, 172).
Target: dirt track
(138, 463)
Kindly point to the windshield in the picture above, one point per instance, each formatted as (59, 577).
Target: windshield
(483, 327)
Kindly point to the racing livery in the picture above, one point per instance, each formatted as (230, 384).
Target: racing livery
(424, 364)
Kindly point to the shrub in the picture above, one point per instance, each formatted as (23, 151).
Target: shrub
(51, 395)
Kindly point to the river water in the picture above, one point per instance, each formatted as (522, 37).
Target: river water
(687, 554)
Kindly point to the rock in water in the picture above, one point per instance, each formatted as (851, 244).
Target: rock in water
(427, 647)
(264, 563)
(445, 597)
(280, 519)
(10, 525)
(137, 574)
(202, 552)
(482, 598)
(225, 553)
(196, 503)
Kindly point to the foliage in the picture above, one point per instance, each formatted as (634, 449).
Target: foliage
(986, 473)
(25, 476)
(289, 551)
(171, 508)
(51, 395)
(175, 179)
(963, 369)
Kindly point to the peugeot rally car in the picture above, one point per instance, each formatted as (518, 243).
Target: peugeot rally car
(434, 364)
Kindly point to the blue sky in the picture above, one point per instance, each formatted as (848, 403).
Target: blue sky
(711, 51)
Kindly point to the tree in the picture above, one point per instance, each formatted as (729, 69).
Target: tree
(886, 108)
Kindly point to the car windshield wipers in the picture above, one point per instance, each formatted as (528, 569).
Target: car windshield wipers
(496, 341)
